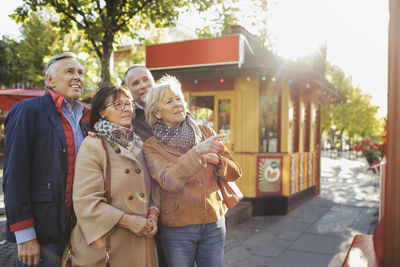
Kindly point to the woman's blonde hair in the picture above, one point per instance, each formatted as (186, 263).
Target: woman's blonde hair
(166, 84)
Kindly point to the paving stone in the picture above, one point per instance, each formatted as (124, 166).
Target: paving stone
(336, 220)
(256, 261)
(8, 254)
(317, 243)
(321, 201)
(311, 215)
(294, 231)
(272, 249)
(259, 239)
(366, 221)
(237, 255)
(291, 258)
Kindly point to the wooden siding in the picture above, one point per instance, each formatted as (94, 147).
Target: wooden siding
(246, 114)
(284, 111)
(392, 187)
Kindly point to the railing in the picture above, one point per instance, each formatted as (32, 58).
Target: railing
(380, 172)
(335, 154)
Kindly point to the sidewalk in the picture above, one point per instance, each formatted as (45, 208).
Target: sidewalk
(319, 232)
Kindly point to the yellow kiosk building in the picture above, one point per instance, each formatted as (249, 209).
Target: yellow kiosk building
(269, 107)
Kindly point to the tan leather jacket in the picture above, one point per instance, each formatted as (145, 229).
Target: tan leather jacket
(189, 193)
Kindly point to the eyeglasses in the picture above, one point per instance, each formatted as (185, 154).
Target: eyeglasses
(119, 106)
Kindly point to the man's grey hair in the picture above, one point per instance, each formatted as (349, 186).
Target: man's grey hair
(51, 64)
(136, 66)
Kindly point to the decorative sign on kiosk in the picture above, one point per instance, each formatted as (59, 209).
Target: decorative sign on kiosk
(269, 174)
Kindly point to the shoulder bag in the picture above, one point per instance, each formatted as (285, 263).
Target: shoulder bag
(231, 193)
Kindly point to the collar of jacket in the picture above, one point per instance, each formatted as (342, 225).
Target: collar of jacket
(59, 100)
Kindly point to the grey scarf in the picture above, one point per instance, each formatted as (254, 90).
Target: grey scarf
(183, 137)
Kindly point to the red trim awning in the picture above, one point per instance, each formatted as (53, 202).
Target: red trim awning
(194, 53)
(9, 97)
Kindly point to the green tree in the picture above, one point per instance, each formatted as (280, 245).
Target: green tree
(234, 12)
(103, 22)
(40, 40)
(6, 52)
(357, 118)
(23, 61)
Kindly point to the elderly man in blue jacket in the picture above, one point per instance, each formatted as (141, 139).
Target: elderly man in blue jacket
(43, 136)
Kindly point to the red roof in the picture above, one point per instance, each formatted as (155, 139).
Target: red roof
(203, 52)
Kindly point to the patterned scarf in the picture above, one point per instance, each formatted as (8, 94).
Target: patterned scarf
(183, 137)
(115, 133)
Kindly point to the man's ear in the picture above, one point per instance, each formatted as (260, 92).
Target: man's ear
(50, 80)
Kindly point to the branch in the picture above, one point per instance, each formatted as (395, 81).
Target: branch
(99, 8)
(75, 8)
(54, 4)
(96, 48)
(121, 13)
(129, 15)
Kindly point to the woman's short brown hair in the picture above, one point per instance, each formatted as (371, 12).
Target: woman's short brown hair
(106, 90)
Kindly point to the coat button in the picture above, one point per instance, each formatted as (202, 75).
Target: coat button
(138, 170)
(118, 150)
(126, 170)
(141, 195)
(130, 197)
(64, 150)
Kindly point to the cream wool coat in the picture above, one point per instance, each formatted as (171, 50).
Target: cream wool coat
(130, 194)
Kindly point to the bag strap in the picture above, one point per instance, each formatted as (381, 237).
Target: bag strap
(107, 184)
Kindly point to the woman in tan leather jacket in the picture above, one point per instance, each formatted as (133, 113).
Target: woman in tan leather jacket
(185, 159)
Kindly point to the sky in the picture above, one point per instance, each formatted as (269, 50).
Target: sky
(356, 32)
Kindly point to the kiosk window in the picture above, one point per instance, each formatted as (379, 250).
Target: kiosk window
(202, 108)
(268, 124)
(224, 118)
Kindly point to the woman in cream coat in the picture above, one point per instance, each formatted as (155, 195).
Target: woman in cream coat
(131, 218)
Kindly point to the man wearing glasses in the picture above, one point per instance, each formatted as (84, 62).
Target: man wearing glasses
(43, 136)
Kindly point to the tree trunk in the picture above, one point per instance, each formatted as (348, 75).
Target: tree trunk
(105, 59)
(341, 140)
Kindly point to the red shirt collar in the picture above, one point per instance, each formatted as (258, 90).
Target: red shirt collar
(59, 100)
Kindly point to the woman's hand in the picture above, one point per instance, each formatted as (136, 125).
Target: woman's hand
(136, 224)
(211, 158)
(211, 145)
(153, 231)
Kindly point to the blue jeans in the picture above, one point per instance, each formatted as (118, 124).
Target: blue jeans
(202, 243)
(50, 255)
